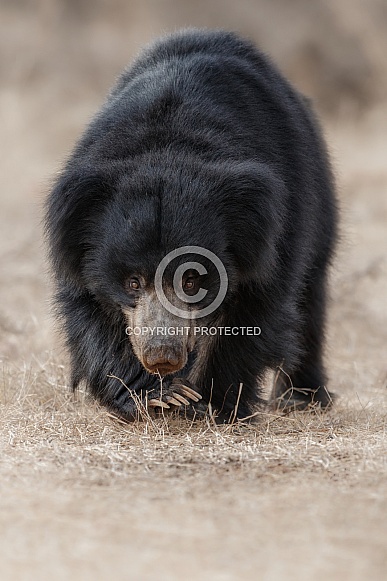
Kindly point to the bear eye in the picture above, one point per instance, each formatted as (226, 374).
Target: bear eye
(189, 284)
(133, 284)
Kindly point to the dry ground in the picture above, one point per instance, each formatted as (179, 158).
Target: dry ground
(302, 497)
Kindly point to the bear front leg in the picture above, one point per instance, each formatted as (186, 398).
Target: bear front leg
(304, 387)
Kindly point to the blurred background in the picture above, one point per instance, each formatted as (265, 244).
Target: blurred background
(58, 59)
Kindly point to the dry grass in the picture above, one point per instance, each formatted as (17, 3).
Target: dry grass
(45, 422)
(51, 427)
(299, 496)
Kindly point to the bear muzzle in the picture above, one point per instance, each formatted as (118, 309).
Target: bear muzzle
(163, 360)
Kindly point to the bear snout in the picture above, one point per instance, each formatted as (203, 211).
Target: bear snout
(163, 359)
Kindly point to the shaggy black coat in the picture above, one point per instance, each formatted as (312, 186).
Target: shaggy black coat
(201, 142)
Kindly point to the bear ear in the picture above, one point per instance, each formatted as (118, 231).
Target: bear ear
(254, 205)
(75, 200)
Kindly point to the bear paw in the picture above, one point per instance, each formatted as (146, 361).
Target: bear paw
(179, 393)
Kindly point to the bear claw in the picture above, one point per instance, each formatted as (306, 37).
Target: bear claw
(194, 395)
(174, 401)
(180, 398)
(169, 401)
(157, 403)
(186, 390)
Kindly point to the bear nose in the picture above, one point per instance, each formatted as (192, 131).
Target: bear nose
(162, 360)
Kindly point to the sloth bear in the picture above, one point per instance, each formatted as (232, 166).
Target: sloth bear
(206, 161)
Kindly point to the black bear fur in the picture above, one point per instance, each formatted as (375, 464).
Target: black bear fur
(202, 141)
